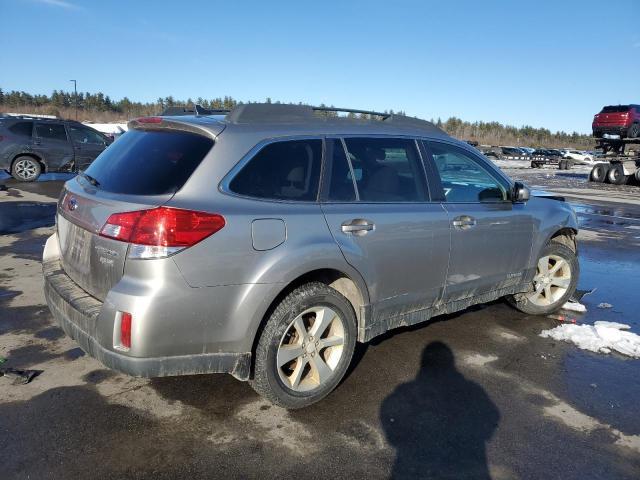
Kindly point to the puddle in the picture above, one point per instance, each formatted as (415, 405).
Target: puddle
(16, 217)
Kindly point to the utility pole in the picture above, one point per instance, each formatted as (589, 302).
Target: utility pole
(75, 96)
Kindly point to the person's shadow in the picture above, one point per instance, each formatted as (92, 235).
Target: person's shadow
(439, 422)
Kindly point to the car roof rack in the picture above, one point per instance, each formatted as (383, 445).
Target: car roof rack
(196, 110)
(251, 113)
(29, 116)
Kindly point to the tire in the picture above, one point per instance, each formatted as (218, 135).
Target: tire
(280, 337)
(616, 175)
(634, 131)
(536, 303)
(599, 173)
(26, 169)
(562, 165)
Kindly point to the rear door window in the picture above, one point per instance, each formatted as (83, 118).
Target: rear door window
(463, 178)
(149, 162)
(51, 131)
(22, 129)
(287, 170)
(387, 169)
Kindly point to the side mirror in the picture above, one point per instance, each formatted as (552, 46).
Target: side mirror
(521, 193)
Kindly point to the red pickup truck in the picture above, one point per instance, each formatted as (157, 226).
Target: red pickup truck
(617, 121)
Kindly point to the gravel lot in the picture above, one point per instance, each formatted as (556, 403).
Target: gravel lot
(472, 395)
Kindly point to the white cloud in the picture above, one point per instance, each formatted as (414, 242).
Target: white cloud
(58, 3)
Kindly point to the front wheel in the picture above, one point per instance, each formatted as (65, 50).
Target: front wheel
(634, 131)
(306, 347)
(554, 283)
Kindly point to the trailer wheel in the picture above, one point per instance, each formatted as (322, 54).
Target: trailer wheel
(616, 175)
(599, 172)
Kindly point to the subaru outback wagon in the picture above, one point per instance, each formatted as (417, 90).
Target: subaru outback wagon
(266, 242)
(30, 146)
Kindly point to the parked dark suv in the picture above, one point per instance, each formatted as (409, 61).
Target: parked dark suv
(30, 146)
(617, 121)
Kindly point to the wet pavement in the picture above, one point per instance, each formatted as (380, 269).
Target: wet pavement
(472, 395)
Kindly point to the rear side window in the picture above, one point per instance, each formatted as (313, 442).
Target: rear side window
(387, 169)
(51, 131)
(288, 170)
(341, 188)
(149, 162)
(22, 129)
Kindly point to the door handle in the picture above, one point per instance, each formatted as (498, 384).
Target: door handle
(357, 226)
(464, 222)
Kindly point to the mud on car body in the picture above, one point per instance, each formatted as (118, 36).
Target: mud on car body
(266, 241)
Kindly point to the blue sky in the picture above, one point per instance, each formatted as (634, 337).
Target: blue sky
(541, 63)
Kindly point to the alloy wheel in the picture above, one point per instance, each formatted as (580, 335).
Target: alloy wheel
(310, 349)
(551, 282)
(26, 169)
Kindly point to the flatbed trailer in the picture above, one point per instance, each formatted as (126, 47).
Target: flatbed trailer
(620, 168)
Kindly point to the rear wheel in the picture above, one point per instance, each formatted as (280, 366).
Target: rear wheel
(599, 172)
(554, 283)
(26, 169)
(306, 347)
(616, 175)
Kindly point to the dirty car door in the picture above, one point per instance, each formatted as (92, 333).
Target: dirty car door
(51, 143)
(87, 145)
(491, 237)
(377, 207)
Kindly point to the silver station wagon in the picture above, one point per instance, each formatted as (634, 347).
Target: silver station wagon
(266, 241)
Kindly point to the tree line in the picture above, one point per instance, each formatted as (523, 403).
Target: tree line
(99, 107)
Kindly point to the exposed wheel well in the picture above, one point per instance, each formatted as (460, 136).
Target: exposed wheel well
(566, 236)
(35, 157)
(333, 278)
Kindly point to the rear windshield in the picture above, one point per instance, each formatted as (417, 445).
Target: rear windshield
(149, 162)
(615, 109)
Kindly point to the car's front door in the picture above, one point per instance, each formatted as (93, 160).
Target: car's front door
(378, 209)
(51, 143)
(491, 236)
(87, 145)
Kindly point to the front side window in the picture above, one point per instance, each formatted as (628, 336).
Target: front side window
(51, 131)
(387, 169)
(463, 178)
(84, 135)
(287, 170)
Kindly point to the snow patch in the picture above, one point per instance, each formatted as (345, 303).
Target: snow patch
(602, 337)
(574, 307)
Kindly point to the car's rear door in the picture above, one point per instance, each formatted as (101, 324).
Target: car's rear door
(378, 209)
(87, 145)
(491, 237)
(51, 143)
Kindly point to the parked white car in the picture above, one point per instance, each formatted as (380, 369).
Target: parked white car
(579, 157)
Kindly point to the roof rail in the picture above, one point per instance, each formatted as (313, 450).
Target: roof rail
(384, 116)
(28, 115)
(196, 110)
(285, 113)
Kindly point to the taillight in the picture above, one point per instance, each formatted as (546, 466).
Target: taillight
(125, 330)
(149, 120)
(161, 231)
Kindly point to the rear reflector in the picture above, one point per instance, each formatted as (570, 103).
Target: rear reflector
(166, 230)
(125, 330)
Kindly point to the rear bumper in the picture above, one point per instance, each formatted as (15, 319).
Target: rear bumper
(600, 130)
(77, 313)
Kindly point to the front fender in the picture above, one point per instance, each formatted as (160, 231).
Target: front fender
(551, 217)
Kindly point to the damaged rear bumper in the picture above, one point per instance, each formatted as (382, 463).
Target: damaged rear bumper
(76, 312)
